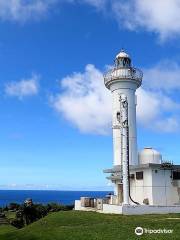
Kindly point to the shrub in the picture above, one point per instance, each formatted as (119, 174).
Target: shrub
(27, 214)
(41, 210)
(55, 207)
(17, 222)
(13, 206)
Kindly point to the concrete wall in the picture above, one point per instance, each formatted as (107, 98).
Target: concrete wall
(115, 209)
(156, 185)
(144, 209)
(78, 207)
(164, 191)
(142, 189)
(130, 209)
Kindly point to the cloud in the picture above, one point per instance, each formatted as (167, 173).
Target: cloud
(131, 14)
(163, 76)
(86, 103)
(160, 16)
(24, 10)
(157, 16)
(31, 186)
(157, 111)
(168, 125)
(23, 88)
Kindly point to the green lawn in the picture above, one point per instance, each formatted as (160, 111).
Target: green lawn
(6, 229)
(73, 225)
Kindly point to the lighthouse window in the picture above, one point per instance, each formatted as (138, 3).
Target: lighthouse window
(124, 62)
(118, 116)
(132, 176)
(176, 175)
(120, 63)
(139, 175)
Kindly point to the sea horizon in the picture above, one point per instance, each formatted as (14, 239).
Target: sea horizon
(63, 190)
(66, 197)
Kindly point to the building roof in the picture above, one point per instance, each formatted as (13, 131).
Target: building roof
(165, 166)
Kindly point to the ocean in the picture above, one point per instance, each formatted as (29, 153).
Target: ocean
(44, 197)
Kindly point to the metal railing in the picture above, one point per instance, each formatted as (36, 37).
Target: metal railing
(123, 73)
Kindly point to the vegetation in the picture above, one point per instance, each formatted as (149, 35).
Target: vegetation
(5, 229)
(27, 213)
(21, 215)
(74, 225)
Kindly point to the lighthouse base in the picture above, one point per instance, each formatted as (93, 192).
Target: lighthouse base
(130, 209)
(139, 209)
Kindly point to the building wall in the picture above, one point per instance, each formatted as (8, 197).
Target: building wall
(142, 189)
(165, 190)
(157, 186)
(130, 210)
(139, 209)
(115, 209)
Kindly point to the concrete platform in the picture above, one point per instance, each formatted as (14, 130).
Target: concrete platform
(131, 209)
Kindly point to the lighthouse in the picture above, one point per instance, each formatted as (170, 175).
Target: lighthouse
(144, 183)
(123, 80)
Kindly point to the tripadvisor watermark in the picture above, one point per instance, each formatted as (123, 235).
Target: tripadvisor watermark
(140, 231)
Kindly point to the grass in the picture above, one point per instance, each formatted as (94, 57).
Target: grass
(6, 229)
(10, 215)
(73, 225)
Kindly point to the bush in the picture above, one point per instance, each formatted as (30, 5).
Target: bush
(13, 206)
(17, 222)
(69, 207)
(27, 214)
(55, 207)
(41, 210)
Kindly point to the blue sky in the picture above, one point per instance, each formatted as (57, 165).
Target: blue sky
(55, 112)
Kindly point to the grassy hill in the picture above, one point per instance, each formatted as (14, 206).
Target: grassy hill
(73, 225)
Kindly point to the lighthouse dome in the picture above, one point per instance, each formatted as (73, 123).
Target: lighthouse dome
(149, 155)
(122, 54)
(123, 60)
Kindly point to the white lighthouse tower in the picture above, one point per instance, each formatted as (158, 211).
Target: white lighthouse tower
(124, 79)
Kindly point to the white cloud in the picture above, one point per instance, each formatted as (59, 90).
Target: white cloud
(86, 103)
(24, 10)
(159, 16)
(168, 125)
(23, 88)
(157, 111)
(163, 76)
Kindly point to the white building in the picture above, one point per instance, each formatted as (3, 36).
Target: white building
(151, 182)
(143, 183)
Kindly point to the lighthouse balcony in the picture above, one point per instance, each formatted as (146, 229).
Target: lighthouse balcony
(121, 74)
